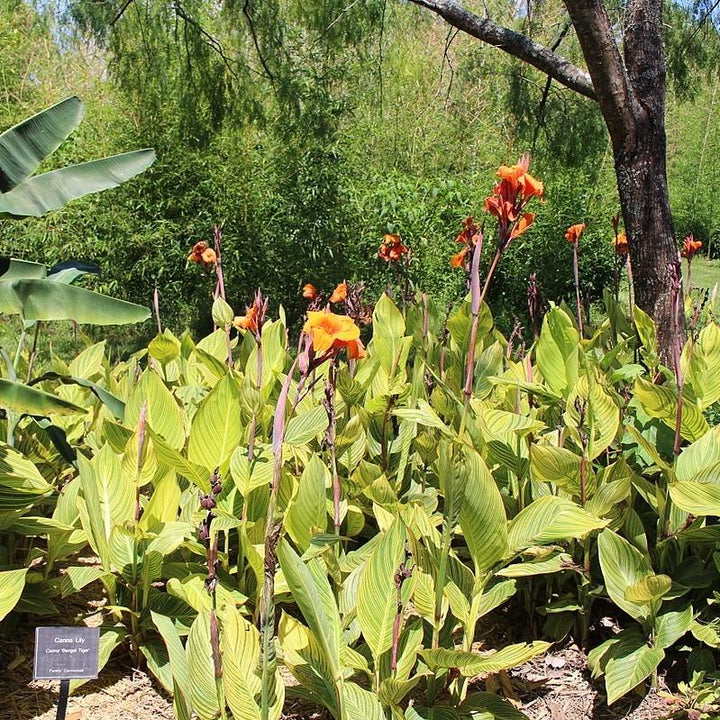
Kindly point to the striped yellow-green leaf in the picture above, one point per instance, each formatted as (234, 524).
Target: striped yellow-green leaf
(554, 563)
(95, 522)
(305, 659)
(240, 647)
(163, 413)
(36, 526)
(164, 347)
(482, 514)
(360, 703)
(178, 664)
(557, 351)
(622, 566)
(389, 335)
(306, 515)
(182, 466)
(116, 492)
(12, 583)
(164, 501)
(550, 519)
(305, 427)
(660, 401)
(77, 577)
(648, 589)
(470, 663)
(549, 463)
(201, 668)
(707, 634)
(251, 474)
(18, 473)
(695, 497)
(499, 422)
(409, 644)
(311, 591)
(31, 401)
(701, 364)
(89, 362)
(646, 330)
(217, 427)
(669, 627)
(377, 596)
(631, 660)
(700, 457)
(486, 704)
(423, 415)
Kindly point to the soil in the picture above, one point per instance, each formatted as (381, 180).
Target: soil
(556, 686)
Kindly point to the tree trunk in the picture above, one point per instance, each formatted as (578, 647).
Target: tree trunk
(631, 95)
(641, 171)
(642, 187)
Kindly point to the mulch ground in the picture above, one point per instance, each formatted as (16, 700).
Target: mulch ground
(556, 686)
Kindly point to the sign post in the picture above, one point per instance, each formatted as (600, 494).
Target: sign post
(64, 654)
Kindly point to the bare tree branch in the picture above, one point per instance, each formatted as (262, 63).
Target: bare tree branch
(540, 114)
(120, 12)
(513, 43)
(256, 42)
(208, 39)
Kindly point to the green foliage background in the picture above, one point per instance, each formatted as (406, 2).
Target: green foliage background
(314, 130)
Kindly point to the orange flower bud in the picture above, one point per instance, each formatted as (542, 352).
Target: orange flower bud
(339, 293)
(309, 291)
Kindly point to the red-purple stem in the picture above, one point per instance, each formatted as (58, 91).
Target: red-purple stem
(576, 271)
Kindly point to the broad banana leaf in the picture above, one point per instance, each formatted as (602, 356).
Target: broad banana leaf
(52, 190)
(24, 146)
(49, 300)
(14, 269)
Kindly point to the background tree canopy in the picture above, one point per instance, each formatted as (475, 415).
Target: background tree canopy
(309, 129)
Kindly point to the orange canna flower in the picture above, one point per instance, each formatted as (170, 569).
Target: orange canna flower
(511, 194)
(392, 249)
(356, 350)
(247, 321)
(329, 331)
(531, 187)
(339, 293)
(458, 260)
(515, 180)
(470, 230)
(208, 257)
(494, 206)
(309, 291)
(690, 247)
(573, 233)
(202, 254)
(523, 224)
(620, 242)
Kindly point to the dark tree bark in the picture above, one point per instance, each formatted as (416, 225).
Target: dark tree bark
(630, 90)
